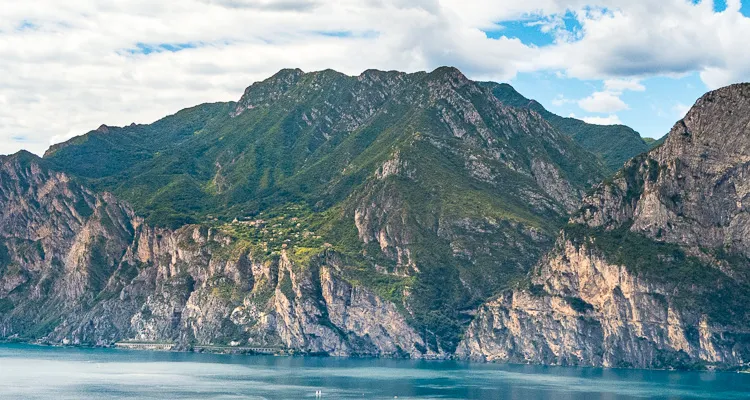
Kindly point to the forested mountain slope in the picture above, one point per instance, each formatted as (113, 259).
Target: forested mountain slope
(615, 144)
(653, 271)
(321, 212)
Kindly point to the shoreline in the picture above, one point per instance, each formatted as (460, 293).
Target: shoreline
(226, 350)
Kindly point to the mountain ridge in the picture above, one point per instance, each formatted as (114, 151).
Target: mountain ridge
(653, 272)
(378, 85)
(385, 214)
(423, 190)
(615, 144)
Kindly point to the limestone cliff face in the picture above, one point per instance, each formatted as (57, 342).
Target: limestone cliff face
(653, 271)
(693, 189)
(441, 192)
(79, 267)
(441, 197)
(584, 310)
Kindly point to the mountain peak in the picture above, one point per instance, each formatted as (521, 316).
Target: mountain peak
(715, 129)
(722, 100)
(286, 73)
(269, 90)
(426, 174)
(19, 155)
(689, 190)
(447, 69)
(448, 72)
(376, 75)
(615, 144)
(741, 89)
(21, 163)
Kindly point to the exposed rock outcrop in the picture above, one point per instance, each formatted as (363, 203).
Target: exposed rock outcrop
(376, 215)
(653, 272)
(79, 267)
(584, 310)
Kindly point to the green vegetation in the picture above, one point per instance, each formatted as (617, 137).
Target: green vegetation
(292, 226)
(654, 142)
(615, 144)
(146, 313)
(465, 214)
(6, 306)
(225, 289)
(285, 285)
(389, 287)
(202, 164)
(5, 258)
(101, 266)
(579, 304)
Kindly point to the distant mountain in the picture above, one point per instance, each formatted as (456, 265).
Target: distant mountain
(290, 138)
(78, 267)
(388, 214)
(324, 213)
(654, 142)
(615, 144)
(654, 270)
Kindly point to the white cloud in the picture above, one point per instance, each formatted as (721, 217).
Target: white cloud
(621, 85)
(602, 102)
(680, 110)
(608, 100)
(67, 67)
(608, 120)
(560, 100)
(668, 37)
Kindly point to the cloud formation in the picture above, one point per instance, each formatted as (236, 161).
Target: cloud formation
(608, 101)
(621, 85)
(603, 102)
(67, 67)
(608, 120)
(680, 110)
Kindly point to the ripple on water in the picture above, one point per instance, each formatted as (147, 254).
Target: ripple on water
(35, 372)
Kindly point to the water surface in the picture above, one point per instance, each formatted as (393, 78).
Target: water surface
(36, 372)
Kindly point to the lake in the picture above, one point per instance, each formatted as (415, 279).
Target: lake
(37, 372)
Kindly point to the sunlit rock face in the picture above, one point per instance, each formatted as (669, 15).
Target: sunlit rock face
(653, 271)
(321, 212)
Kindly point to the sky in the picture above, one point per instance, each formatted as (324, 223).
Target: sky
(66, 67)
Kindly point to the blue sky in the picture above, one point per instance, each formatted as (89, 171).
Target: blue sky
(651, 112)
(68, 67)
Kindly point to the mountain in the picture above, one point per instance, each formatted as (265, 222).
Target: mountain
(322, 213)
(653, 271)
(654, 142)
(313, 138)
(615, 144)
(387, 214)
(79, 267)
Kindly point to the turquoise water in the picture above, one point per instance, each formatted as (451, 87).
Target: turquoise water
(35, 372)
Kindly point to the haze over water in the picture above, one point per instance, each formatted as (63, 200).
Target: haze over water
(34, 372)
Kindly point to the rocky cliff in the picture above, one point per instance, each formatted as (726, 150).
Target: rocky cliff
(436, 194)
(382, 215)
(81, 268)
(653, 270)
